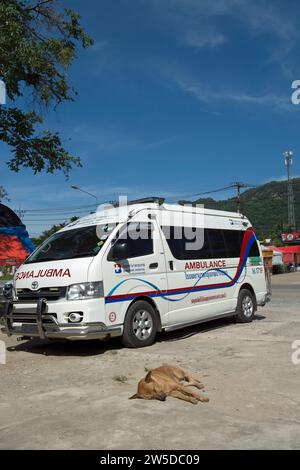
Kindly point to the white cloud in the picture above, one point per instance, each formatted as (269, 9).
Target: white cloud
(198, 39)
(211, 96)
(258, 17)
(112, 139)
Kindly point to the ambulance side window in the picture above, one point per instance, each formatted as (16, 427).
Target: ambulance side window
(233, 241)
(181, 240)
(199, 248)
(138, 237)
(254, 252)
(217, 243)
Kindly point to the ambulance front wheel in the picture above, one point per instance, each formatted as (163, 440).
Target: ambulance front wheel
(140, 325)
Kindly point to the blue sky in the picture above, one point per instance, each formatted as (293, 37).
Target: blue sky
(175, 97)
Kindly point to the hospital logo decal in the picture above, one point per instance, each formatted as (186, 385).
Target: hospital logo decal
(118, 269)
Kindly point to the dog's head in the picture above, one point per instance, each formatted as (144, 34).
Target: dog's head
(149, 389)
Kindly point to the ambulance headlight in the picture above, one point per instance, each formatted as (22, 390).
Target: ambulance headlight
(86, 290)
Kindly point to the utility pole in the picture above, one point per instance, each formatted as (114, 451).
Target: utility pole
(238, 186)
(288, 159)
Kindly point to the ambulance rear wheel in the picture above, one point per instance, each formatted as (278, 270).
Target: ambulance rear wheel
(140, 326)
(246, 307)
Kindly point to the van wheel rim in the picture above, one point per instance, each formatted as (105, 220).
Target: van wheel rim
(247, 306)
(142, 325)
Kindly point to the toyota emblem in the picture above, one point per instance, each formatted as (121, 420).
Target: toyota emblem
(35, 285)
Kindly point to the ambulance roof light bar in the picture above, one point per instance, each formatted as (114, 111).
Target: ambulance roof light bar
(148, 200)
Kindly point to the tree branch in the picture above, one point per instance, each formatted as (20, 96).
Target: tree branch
(37, 6)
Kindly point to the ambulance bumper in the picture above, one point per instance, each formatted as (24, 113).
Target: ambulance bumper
(39, 324)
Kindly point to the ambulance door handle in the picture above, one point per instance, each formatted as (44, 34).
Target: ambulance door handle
(153, 266)
(171, 264)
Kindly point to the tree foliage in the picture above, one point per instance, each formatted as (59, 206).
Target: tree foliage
(38, 43)
(3, 194)
(55, 228)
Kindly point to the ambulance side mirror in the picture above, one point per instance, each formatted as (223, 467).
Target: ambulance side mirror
(119, 251)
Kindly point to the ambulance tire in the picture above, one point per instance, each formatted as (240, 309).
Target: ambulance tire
(140, 325)
(246, 307)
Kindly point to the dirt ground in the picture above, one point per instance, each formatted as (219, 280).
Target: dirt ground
(75, 395)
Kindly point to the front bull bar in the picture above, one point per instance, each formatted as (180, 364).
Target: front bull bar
(7, 316)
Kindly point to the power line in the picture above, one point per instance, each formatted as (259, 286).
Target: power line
(30, 221)
(63, 214)
(43, 225)
(180, 196)
(214, 191)
(89, 206)
(56, 216)
(61, 210)
(46, 212)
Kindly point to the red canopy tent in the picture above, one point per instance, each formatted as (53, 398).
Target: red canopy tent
(291, 254)
(15, 244)
(12, 251)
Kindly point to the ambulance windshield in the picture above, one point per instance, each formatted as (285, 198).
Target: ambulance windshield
(76, 243)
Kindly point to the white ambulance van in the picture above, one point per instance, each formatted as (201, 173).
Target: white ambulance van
(134, 270)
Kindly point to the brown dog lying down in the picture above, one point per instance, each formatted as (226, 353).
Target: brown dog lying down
(169, 381)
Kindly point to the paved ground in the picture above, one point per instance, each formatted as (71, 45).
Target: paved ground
(61, 396)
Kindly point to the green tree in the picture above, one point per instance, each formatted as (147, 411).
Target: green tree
(3, 194)
(38, 43)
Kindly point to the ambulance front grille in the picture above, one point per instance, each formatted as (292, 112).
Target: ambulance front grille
(51, 294)
(19, 317)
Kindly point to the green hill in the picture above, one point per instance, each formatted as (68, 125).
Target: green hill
(265, 206)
